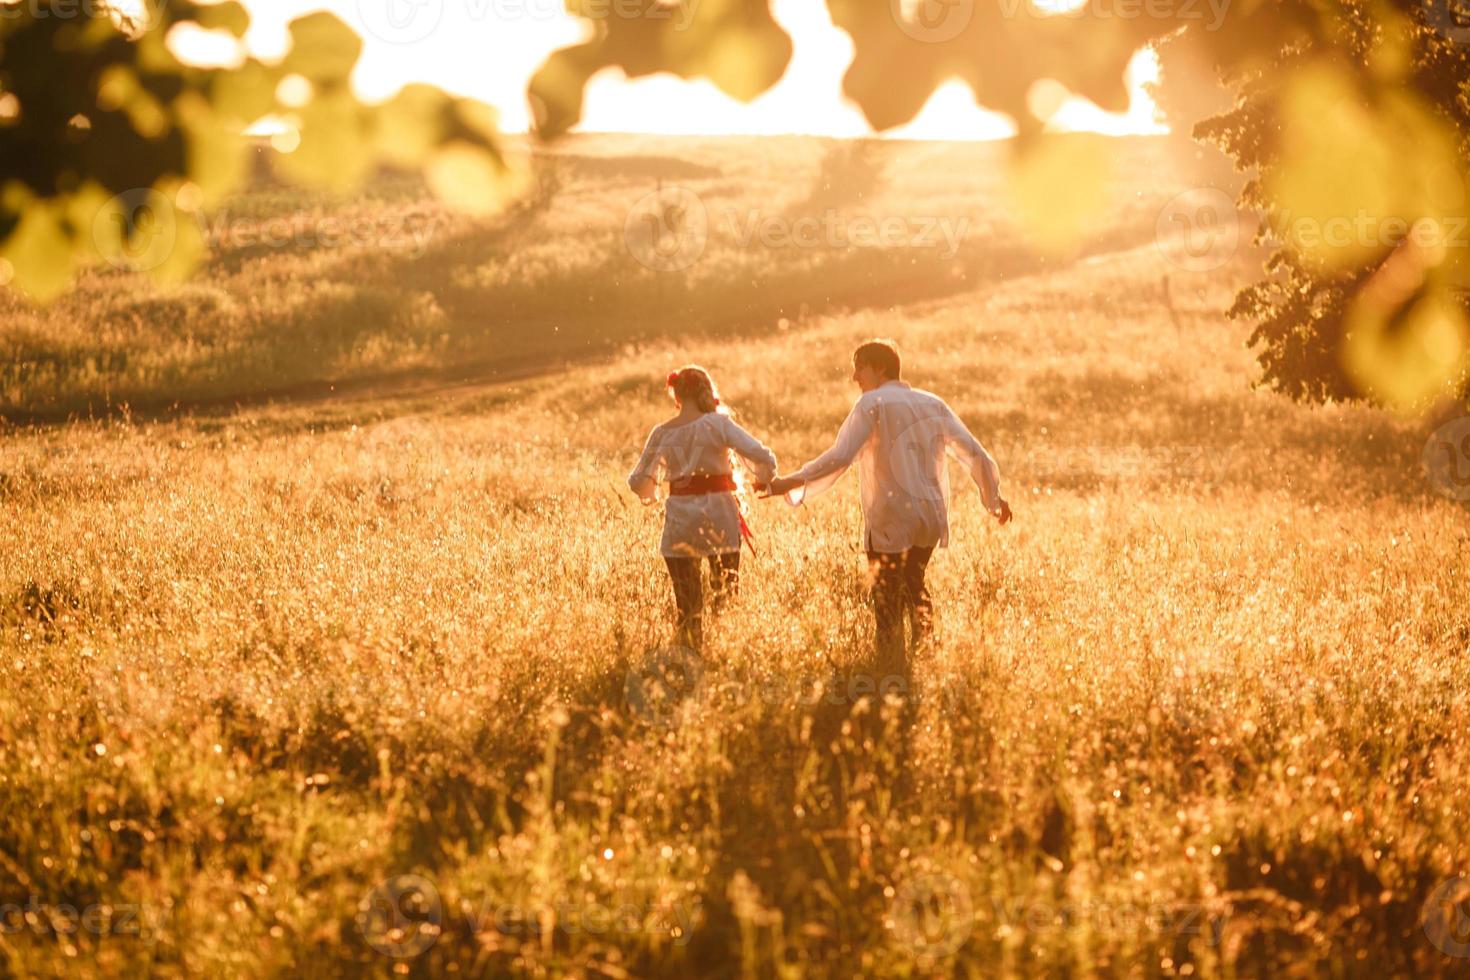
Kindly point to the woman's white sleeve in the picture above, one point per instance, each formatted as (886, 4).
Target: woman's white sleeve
(644, 479)
(752, 450)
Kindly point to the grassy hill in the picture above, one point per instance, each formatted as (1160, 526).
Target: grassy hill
(302, 292)
(278, 679)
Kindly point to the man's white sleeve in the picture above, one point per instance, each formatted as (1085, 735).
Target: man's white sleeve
(823, 472)
(980, 463)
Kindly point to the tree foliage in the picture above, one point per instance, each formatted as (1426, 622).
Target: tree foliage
(109, 143)
(1357, 140)
(1349, 115)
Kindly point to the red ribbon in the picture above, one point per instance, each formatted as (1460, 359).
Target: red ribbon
(702, 483)
(699, 483)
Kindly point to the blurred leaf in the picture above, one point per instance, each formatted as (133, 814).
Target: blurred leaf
(480, 119)
(245, 94)
(334, 153)
(178, 263)
(410, 125)
(1057, 187)
(136, 230)
(1344, 180)
(228, 16)
(119, 88)
(166, 139)
(80, 212)
(734, 43)
(1407, 335)
(40, 254)
(323, 48)
(16, 196)
(154, 56)
(556, 90)
(999, 49)
(743, 55)
(217, 148)
(469, 178)
(148, 231)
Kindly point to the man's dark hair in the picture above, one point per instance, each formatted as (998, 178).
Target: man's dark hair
(880, 355)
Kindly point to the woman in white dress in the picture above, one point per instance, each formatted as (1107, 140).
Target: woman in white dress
(691, 452)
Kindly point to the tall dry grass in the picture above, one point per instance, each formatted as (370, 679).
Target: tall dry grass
(1199, 712)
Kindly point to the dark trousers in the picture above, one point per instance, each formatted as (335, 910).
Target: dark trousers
(899, 589)
(688, 581)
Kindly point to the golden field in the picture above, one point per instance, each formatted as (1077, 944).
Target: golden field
(1200, 711)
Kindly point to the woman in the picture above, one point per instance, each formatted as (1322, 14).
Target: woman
(702, 517)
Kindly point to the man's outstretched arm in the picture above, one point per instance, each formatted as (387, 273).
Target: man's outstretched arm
(983, 470)
(824, 471)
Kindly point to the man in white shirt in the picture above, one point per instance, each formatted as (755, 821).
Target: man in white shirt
(898, 436)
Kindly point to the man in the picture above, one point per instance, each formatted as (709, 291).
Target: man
(898, 436)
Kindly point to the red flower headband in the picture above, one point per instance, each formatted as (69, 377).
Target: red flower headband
(673, 379)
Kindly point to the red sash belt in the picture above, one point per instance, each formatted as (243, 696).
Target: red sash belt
(703, 483)
(717, 483)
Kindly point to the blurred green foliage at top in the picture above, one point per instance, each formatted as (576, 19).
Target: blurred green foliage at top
(106, 137)
(1350, 120)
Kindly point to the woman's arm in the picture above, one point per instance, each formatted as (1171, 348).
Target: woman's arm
(762, 461)
(644, 479)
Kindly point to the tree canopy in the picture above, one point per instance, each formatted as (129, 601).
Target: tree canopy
(1349, 116)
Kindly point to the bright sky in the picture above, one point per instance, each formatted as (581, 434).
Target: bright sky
(488, 49)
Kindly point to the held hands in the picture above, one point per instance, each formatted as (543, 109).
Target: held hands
(779, 487)
(783, 485)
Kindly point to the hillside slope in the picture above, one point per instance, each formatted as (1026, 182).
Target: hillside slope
(303, 294)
